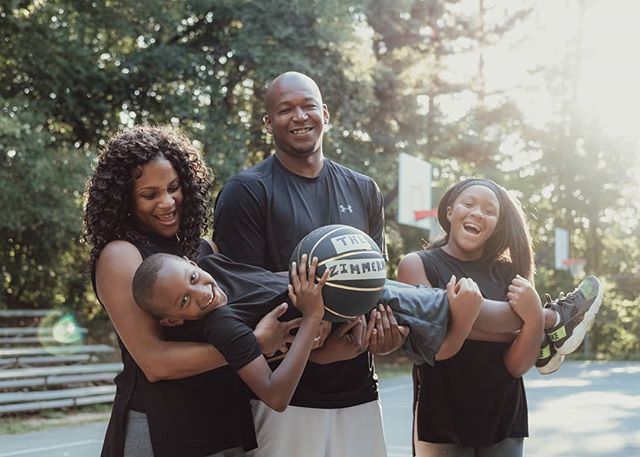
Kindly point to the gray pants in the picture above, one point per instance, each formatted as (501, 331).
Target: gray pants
(137, 440)
(509, 447)
(425, 311)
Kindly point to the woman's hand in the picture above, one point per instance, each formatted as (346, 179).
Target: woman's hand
(274, 335)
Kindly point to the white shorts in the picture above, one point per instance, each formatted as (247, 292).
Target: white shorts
(315, 432)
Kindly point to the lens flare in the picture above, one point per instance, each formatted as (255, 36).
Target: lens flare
(58, 329)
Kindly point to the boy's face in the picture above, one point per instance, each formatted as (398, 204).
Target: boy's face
(184, 291)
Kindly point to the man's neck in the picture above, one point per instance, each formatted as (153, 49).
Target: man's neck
(307, 167)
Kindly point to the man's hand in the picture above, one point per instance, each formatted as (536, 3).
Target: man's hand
(346, 342)
(387, 335)
(324, 329)
(273, 335)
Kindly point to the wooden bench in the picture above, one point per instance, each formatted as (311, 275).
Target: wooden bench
(25, 312)
(30, 355)
(30, 401)
(57, 375)
(17, 332)
(38, 371)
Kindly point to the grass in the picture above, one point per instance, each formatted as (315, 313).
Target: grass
(28, 422)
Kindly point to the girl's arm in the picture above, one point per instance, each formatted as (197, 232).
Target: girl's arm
(276, 388)
(524, 351)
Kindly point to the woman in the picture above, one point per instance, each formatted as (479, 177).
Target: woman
(150, 192)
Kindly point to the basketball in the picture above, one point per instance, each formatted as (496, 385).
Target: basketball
(357, 269)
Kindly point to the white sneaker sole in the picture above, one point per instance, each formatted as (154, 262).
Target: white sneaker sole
(575, 340)
(553, 365)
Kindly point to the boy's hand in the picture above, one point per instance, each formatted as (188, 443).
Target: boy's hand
(524, 299)
(272, 334)
(304, 293)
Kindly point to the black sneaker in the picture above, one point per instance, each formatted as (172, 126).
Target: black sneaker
(577, 311)
(549, 359)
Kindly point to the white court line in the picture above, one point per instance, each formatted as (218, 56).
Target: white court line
(50, 448)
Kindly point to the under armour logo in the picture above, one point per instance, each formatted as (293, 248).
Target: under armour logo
(346, 209)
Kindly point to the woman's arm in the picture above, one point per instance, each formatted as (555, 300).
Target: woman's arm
(140, 333)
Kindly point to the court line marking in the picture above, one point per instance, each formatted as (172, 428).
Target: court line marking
(50, 448)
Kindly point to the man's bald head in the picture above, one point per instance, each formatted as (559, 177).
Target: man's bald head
(285, 82)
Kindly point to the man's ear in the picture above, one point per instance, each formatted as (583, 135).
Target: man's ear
(266, 121)
(171, 321)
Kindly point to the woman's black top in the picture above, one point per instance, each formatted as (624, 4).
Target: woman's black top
(190, 417)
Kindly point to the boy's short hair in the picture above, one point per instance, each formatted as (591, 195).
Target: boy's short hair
(144, 281)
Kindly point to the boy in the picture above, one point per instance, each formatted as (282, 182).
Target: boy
(177, 291)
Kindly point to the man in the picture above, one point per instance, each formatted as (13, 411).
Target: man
(260, 216)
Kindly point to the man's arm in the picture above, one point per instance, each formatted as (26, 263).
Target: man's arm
(238, 224)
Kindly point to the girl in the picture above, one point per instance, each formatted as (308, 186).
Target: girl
(474, 403)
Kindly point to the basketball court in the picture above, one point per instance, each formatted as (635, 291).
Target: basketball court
(587, 409)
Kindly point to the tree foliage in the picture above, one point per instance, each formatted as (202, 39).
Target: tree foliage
(72, 73)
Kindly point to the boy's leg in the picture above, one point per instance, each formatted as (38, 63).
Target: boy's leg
(577, 311)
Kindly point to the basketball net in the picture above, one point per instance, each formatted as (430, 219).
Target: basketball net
(576, 267)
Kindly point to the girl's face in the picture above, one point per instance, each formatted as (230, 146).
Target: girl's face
(157, 198)
(473, 218)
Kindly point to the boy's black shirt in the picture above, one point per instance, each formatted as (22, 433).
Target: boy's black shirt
(252, 292)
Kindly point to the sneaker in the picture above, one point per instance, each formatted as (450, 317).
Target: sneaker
(549, 359)
(577, 311)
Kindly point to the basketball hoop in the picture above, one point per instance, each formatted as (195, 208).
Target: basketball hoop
(576, 266)
(423, 214)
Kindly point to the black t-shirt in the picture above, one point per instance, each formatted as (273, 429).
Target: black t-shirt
(470, 399)
(260, 216)
(192, 417)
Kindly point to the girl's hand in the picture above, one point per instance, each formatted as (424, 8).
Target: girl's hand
(524, 299)
(304, 293)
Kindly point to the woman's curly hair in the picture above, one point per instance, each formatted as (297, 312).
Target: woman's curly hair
(108, 193)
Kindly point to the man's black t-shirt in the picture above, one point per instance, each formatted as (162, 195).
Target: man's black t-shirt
(260, 216)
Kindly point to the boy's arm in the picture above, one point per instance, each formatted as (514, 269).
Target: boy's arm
(276, 388)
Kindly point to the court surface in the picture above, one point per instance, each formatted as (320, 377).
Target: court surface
(586, 409)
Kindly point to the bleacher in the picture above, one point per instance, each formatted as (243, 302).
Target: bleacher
(41, 370)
